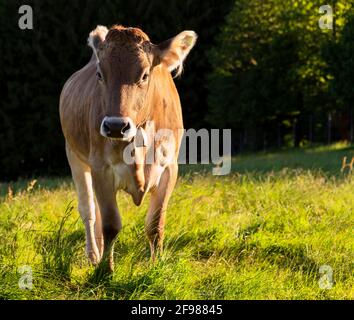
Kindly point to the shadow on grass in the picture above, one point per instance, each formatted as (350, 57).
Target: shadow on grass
(183, 240)
(204, 244)
(292, 257)
(101, 275)
(120, 285)
(125, 289)
(126, 253)
(207, 244)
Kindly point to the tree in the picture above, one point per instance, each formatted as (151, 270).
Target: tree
(269, 77)
(341, 67)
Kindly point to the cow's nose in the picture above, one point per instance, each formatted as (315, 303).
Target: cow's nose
(116, 127)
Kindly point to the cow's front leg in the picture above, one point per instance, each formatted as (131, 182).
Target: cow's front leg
(82, 179)
(155, 219)
(103, 183)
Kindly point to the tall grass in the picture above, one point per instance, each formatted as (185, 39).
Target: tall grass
(262, 232)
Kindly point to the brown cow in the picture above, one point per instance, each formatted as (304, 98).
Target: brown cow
(123, 98)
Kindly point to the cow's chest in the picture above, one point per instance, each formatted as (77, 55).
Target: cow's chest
(123, 177)
(145, 173)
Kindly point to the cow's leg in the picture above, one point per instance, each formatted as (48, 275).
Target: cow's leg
(103, 183)
(86, 203)
(155, 219)
(98, 230)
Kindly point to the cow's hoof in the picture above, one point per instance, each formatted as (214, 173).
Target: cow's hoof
(93, 257)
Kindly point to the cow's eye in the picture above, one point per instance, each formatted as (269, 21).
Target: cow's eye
(99, 75)
(145, 77)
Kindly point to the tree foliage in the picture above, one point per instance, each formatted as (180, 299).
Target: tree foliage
(269, 74)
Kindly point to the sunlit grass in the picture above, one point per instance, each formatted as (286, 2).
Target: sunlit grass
(341, 145)
(262, 232)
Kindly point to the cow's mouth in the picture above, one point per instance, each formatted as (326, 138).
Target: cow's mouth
(118, 128)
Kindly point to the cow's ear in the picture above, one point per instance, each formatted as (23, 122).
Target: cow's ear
(171, 53)
(96, 37)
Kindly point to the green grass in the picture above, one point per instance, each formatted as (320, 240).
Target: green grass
(262, 232)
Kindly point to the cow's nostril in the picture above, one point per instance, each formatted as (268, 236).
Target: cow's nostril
(125, 128)
(106, 127)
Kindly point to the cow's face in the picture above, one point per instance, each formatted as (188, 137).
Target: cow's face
(125, 59)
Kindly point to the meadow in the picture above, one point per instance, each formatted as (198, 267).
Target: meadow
(263, 232)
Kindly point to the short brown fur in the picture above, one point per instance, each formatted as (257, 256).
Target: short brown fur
(123, 55)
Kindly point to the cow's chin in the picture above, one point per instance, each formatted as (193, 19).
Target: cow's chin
(127, 137)
(124, 140)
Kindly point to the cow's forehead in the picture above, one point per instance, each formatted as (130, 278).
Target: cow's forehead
(126, 54)
(128, 45)
(120, 34)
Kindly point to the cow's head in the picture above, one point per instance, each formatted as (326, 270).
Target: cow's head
(125, 60)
